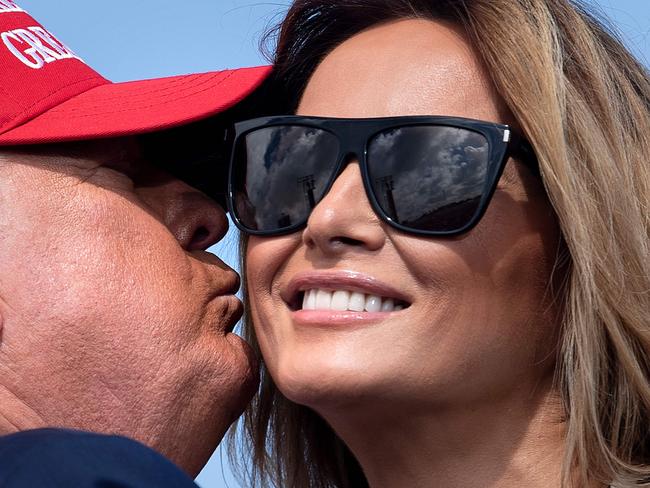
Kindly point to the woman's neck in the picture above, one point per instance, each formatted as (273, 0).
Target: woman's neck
(513, 442)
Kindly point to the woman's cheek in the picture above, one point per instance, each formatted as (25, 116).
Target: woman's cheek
(266, 257)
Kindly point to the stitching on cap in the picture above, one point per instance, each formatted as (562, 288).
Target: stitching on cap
(174, 81)
(63, 113)
(25, 110)
(64, 110)
(180, 81)
(61, 89)
(140, 107)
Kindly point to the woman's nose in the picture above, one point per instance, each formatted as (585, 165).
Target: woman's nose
(343, 219)
(196, 221)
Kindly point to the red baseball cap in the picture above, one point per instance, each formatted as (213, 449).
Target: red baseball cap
(50, 95)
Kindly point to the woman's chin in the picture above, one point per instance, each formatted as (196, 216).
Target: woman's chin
(326, 386)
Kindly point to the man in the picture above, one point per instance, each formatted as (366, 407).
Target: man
(113, 317)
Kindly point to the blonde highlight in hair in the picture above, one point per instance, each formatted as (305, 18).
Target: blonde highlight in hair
(587, 115)
(583, 102)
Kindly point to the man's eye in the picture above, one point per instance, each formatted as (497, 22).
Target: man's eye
(113, 175)
(128, 169)
(123, 173)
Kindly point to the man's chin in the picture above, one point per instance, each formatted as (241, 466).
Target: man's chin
(250, 375)
(230, 398)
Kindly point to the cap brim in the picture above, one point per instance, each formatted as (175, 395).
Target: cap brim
(137, 107)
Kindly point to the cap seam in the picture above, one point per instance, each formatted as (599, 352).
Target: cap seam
(40, 100)
(60, 114)
(180, 81)
(151, 92)
(25, 110)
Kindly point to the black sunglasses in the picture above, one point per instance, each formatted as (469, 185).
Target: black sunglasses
(426, 175)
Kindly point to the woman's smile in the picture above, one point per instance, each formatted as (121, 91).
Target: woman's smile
(341, 298)
(345, 300)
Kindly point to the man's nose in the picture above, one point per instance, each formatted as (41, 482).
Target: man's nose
(196, 221)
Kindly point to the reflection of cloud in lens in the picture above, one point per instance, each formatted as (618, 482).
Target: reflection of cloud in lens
(278, 158)
(431, 167)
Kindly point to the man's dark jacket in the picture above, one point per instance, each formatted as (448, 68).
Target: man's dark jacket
(57, 458)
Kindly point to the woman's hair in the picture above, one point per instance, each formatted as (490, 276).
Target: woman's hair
(583, 102)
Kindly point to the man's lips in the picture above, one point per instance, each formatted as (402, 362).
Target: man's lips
(232, 312)
(224, 279)
(224, 284)
(342, 291)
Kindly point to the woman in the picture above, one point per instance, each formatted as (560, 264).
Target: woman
(449, 282)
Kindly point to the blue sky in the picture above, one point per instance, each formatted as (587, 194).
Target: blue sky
(152, 38)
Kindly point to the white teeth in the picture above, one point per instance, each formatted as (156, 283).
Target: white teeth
(342, 300)
(309, 302)
(388, 305)
(373, 303)
(323, 300)
(357, 302)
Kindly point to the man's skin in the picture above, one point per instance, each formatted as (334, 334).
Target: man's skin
(113, 317)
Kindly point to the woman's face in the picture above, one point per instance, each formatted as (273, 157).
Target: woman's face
(478, 321)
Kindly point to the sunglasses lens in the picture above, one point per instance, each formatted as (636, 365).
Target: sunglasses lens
(280, 173)
(429, 178)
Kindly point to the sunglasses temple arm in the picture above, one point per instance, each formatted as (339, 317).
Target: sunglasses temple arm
(522, 150)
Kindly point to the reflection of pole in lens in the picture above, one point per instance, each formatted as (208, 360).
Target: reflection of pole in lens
(308, 187)
(387, 183)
